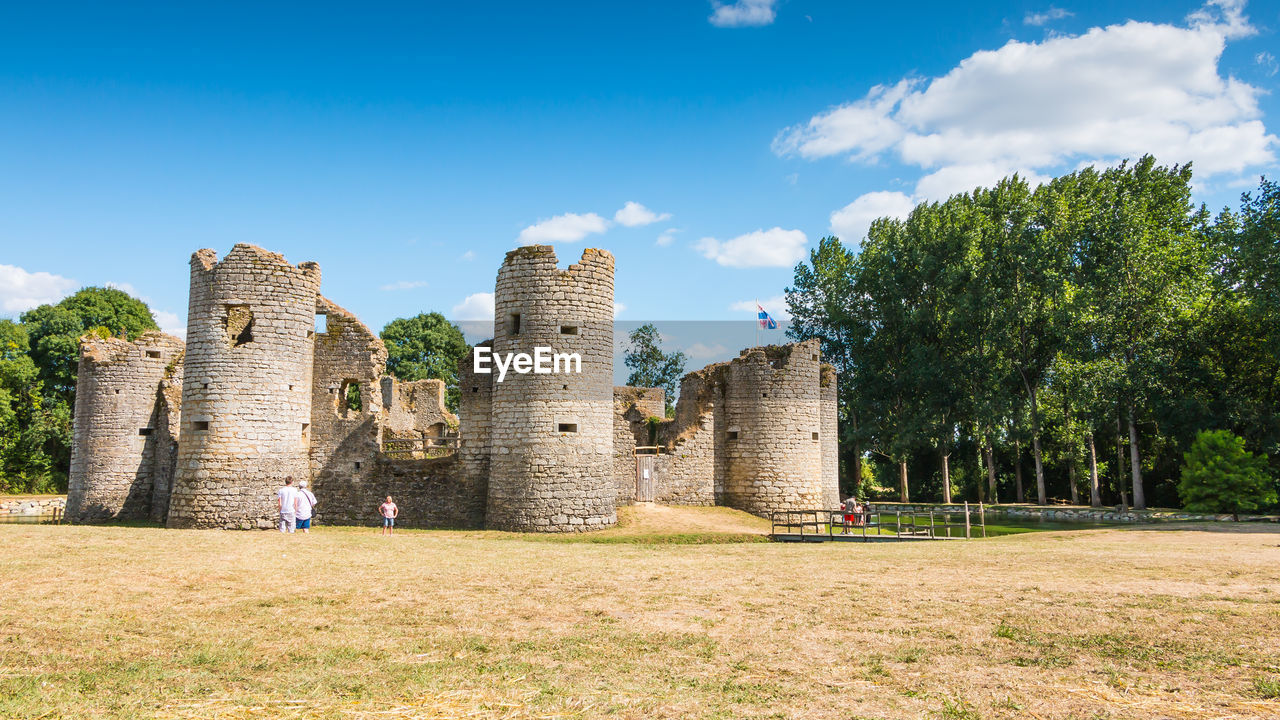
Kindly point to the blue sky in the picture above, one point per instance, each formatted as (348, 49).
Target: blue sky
(407, 147)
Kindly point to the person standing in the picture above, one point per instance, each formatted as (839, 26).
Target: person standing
(287, 497)
(389, 512)
(306, 507)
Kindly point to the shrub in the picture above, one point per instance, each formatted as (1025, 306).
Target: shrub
(1220, 476)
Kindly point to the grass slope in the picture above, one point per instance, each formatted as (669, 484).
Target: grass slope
(141, 622)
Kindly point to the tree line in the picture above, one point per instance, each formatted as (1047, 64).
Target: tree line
(1065, 341)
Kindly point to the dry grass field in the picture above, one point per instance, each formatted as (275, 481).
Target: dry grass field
(652, 620)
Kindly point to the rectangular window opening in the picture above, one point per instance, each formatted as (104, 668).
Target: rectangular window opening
(144, 431)
(357, 464)
(304, 429)
(153, 354)
(567, 427)
(515, 323)
(200, 425)
(475, 388)
(568, 329)
(733, 434)
(322, 323)
(349, 398)
(815, 436)
(239, 323)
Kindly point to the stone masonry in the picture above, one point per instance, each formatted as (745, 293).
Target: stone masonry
(246, 391)
(551, 435)
(202, 438)
(121, 454)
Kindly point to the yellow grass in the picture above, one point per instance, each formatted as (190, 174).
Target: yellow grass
(142, 622)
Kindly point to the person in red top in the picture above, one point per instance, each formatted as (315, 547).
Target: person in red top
(389, 512)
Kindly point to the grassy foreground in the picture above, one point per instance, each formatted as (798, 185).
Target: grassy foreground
(1126, 623)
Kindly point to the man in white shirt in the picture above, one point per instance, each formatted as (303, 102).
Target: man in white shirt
(288, 498)
(306, 504)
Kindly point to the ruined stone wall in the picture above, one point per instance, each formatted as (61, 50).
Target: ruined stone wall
(686, 468)
(345, 437)
(632, 408)
(772, 443)
(119, 441)
(246, 393)
(829, 437)
(551, 465)
(167, 432)
(475, 417)
(416, 410)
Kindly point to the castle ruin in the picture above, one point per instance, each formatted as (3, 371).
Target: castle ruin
(276, 380)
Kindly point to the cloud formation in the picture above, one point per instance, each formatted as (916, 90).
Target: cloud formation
(776, 306)
(569, 227)
(763, 248)
(476, 306)
(21, 290)
(1111, 93)
(850, 222)
(633, 214)
(1048, 16)
(743, 13)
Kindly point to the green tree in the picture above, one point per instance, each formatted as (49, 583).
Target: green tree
(55, 332)
(650, 366)
(1219, 475)
(426, 347)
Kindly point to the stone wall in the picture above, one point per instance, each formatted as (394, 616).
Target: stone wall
(551, 466)
(167, 432)
(772, 442)
(687, 467)
(246, 393)
(120, 444)
(829, 437)
(345, 436)
(475, 418)
(632, 408)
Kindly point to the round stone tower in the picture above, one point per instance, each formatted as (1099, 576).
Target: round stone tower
(246, 389)
(773, 430)
(120, 441)
(551, 435)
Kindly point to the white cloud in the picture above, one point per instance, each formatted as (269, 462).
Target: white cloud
(762, 248)
(850, 222)
(618, 308)
(476, 306)
(468, 255)
(743, 13)
(127, 289)
(1042, 18)
(633, 214)
(666, 238)
(702, 351)
(1268, 62)
(569, 227)
(403, 285)
(170, 323)
(21, 290)
(776, 306)
(1111, 93)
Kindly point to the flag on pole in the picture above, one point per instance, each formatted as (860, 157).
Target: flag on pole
(766, 322)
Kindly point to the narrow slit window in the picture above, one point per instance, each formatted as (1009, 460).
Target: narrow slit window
(304, 429)
(200, 425)
(357, 464)
(568, 329)
(515, 323)
(144, 431)
(567, 427)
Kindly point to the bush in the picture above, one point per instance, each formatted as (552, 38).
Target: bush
(1220, 476)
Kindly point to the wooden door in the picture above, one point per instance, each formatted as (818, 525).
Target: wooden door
(646, 483)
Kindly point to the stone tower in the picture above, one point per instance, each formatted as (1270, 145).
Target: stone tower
(551, 435)
(246, 391)
(830, 437)
(772, 457)
(122, 447)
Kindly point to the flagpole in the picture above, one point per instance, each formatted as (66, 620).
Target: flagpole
(757, 335)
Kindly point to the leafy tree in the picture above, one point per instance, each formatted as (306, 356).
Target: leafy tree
(426, 347)
(1220, 476)
(55, 332)
(650, 366)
